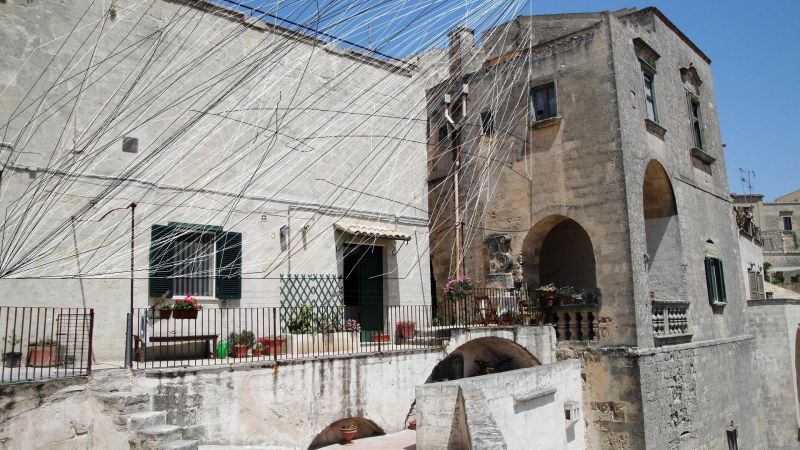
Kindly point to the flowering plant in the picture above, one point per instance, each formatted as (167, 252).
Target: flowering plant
(326, 326)
(187, 303)
(459, 287)
(352, 325)
(547, 288)
(259, 345)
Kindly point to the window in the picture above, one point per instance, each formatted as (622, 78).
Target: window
(733, 438)
(543, 102)
(697, 129)
(787, 223)
(194, 265)
(442, 133)
(200, 260)
(715, 281)
(756, 284)
(649, 94)
(487, 123)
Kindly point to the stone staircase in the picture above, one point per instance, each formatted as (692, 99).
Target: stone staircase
(132, 412)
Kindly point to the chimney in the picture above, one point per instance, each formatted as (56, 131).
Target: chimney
(462, 49)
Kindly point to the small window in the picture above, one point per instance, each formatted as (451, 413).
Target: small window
(487, 123)
(284, 235)
(697, 127)
(130, 144)
(756, 284)
(543, 102)
(194, 265)
(442, 133)
(733, 439)
(787, 223)
(649, 94)
(715, 281)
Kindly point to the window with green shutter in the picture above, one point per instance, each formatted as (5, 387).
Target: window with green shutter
(715, 281)
(198, 260)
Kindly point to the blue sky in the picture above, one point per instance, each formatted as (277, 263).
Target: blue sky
(755, 60)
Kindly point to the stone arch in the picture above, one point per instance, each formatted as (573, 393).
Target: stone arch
(474, 357)
(331, 435)
(558, 250)
(664, 253)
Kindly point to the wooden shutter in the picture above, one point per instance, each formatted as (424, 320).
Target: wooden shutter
(229, 266)
(712, 296)
(723, 296)
(162, 260)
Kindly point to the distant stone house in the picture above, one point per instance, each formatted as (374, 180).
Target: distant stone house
(779, 221)
(251, 151)
(591, 148)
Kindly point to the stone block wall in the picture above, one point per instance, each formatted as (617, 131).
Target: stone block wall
(526, 405)
(692, 393)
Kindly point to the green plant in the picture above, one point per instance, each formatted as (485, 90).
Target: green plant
(436, 321)
(45, 342)
(459, 287)
(13, 340)
(187, 303)
(303, 322)
(244, 337)
(112, 12)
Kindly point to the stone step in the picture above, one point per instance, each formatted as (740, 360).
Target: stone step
(178, 445)
(160, 433)
(146, 419)
(126, 402)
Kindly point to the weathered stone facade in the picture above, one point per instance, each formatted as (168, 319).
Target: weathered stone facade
(611, 191)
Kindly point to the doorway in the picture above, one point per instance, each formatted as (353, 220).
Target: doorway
(363, 287)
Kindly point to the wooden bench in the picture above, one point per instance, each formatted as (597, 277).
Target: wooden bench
(140, 348)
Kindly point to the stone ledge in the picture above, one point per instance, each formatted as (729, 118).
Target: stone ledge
(655, 129)
(629, 351)
(546, 123)
(773, 302)
(702, 155)
(532, 395)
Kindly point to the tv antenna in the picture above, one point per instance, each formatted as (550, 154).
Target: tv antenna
(745, 177)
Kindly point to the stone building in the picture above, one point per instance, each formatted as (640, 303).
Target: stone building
(589, 145)
(778, 221)
(204, 117)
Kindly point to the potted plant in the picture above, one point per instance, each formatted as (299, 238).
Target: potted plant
(406, 328)
(43, 353)
(273, 346)
(12, 358)
(241, 342)
(348, 433)
(164, 311)
(547, 295)
(258, 348)
(186, 308)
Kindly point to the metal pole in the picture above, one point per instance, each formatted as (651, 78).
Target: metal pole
(133, 227)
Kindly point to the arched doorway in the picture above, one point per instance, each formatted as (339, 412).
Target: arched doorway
(558, 250)
(331, 434)
(483, 356)
(662, 231)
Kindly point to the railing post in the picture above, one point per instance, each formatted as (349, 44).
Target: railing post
(275, 336)
(91, 338)
(128, 340)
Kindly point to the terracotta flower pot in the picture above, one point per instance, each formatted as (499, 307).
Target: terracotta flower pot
(383, 337)
(274, 346)
(406, 329)
(42, 355)
(164, 313)
(348, 433)
(240, 351)
(257, 352)
(185, 314)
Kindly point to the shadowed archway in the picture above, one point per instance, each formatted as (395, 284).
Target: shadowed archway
(483, 356)
(331, 434)
(558, 250)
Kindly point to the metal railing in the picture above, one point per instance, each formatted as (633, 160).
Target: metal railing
(215, 336)
(489, 307)
(41, 343)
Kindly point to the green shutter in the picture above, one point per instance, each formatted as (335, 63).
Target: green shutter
(229, 266)
(162, 260)
(710, 280)
(723, 296)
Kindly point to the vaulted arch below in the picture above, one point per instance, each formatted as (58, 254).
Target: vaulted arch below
(483, 356)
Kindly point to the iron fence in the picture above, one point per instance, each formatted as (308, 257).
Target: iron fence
(490, 307)
(214, 336)
(41, 343)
